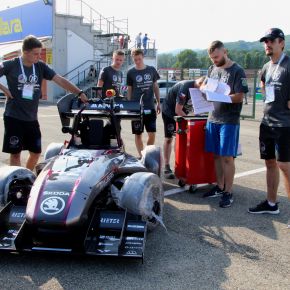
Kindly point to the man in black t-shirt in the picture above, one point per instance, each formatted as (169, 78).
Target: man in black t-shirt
(275, 127)
(142, 82)
(24, 78)
(111, 77)
(176, 103)
(223, 125)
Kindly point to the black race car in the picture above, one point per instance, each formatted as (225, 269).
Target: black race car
(88, 196)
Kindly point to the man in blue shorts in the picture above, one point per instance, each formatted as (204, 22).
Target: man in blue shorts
(223, 125)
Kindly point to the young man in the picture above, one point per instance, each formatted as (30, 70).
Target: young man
(142, 81)
(176, 103)
(223, 125)
(275, 127)
(24, 78)
(111, 77)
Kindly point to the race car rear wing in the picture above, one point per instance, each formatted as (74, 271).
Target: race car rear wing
(69, 105)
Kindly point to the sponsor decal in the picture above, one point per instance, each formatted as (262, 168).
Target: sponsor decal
(57, 193)
(131, 252)
(52, 205)
(18, 215)
(104, 251)
(136, 226)
(110, 221)
(105, 106)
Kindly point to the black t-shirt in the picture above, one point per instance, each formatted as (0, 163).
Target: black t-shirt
(21, 108)
(141, 82)
(234, 76)
(178, 94)
(112, 80)
(277, 114)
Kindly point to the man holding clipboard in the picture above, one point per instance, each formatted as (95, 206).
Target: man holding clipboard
(222, 130)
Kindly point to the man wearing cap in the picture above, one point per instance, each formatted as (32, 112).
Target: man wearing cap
(275, 126)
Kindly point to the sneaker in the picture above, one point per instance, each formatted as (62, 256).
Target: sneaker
(264, 207)
(226, 200)
(168, 174)
(214, 192)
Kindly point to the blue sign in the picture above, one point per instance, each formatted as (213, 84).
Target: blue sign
(32, 18)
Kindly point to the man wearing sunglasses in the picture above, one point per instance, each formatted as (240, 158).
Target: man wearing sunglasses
(275, 127)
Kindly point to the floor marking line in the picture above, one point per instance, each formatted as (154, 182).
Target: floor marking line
(238, 175)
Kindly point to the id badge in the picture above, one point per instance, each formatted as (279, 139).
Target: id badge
(27, 92)
(270, 94)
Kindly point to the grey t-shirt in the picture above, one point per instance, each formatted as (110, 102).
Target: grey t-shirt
(178, 94)
(141, 82)
(277, 114)
(112, 80)
(234, 76)
(21, 108)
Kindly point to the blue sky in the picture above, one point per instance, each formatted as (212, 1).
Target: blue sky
(193, 24)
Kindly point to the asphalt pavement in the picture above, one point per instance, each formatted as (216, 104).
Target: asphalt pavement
(204, 247)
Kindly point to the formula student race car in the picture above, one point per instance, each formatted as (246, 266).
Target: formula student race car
(88, 196)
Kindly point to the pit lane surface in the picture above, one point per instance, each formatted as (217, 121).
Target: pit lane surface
(205, 247)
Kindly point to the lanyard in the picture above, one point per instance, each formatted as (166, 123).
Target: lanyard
(22, 69)
(269, 75)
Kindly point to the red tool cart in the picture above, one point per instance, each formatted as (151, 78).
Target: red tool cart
(192, 164)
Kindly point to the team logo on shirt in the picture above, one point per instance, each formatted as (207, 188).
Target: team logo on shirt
(147, 77)
(21, 79)
(276, 76)
(115, 78)
(139, 79)
(224, 78)
(33, 79)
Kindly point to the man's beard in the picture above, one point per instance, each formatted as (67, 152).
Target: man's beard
(269, 53)
(222, 62)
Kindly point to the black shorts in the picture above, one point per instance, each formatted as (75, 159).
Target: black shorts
(21, 135)
(275, 143)
(149, 121)
(169, 126)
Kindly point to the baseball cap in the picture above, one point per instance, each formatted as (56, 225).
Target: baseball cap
(273, 33)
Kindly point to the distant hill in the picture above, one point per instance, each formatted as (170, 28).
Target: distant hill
(236, 45)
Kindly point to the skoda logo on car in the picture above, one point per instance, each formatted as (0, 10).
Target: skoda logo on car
(52, 205)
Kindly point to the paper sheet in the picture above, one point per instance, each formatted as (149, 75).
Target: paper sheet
(215, 97)
(199, 104)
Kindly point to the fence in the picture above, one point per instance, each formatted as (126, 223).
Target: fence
(249, 107)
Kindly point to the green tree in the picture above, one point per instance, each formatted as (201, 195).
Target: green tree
(166, 60)
(187, 59)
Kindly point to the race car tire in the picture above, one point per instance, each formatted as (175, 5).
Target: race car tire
(142, 194)
(151, 158)
(52, 150)
(15, 184)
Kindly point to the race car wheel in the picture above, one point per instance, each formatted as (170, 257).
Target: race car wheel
(15, 184)
(52, 150)
(151, 158)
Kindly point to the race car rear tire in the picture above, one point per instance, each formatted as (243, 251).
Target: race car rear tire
(142, 194)
(52, 150)
(15, 184)
(151, 158)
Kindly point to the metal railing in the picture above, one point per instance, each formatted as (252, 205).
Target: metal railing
(100, 23)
